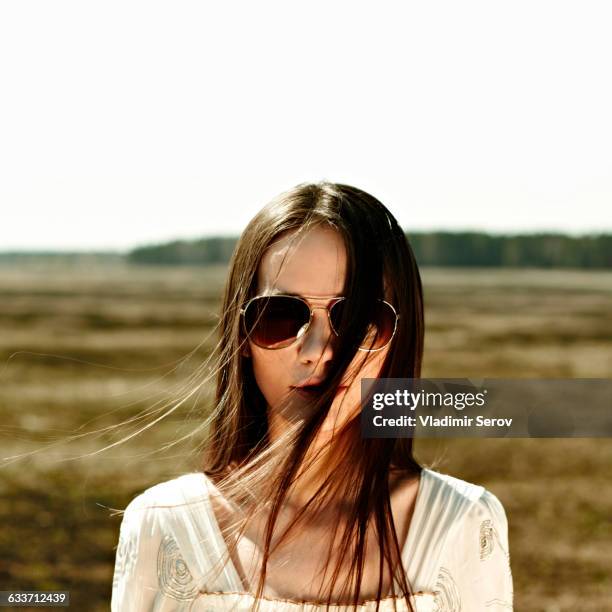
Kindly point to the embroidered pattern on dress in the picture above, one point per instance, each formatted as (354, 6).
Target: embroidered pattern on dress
(126, 556)
(447, 597)
(486, 539)
(173, 575)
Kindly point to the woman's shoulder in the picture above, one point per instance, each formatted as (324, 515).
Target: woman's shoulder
(184, 490)
(460, 547)
(456, 492)
(452, 505)
(461, 507)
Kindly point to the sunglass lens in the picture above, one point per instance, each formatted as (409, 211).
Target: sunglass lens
(274, 322)
(380, 329)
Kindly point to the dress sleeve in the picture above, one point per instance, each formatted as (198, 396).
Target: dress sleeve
(475, 572)
(135, 584)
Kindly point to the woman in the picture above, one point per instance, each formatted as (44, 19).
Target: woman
(293, 509)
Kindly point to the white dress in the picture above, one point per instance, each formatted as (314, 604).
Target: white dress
(456, 554)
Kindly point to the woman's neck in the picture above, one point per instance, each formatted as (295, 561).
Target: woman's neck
(317, 464)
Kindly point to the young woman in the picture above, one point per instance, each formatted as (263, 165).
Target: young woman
(293, 509)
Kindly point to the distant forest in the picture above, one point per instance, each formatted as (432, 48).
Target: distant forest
(544, 250)
(466, 249)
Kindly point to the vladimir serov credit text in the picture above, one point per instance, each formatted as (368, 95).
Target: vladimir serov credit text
(446, 421)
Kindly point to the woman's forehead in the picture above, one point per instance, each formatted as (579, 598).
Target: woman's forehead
(313, 263)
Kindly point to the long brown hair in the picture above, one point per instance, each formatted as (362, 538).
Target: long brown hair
(251, 472)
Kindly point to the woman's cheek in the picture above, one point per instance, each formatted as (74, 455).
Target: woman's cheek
(366, 367)
(269, 374)
(349, 402)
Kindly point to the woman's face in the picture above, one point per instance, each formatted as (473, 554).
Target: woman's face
(314, 266)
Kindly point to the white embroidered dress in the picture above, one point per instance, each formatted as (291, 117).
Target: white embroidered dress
(456, 554)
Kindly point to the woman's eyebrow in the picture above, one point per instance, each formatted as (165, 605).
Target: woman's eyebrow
(277, 291)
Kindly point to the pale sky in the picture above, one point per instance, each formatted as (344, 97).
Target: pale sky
(125, 123)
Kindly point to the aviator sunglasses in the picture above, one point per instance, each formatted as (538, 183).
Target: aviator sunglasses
(277, 321)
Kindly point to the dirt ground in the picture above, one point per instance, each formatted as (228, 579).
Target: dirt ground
(103, 349)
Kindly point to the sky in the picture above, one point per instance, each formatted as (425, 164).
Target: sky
(129, 123)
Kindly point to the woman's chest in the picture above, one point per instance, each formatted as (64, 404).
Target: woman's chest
(302, 565)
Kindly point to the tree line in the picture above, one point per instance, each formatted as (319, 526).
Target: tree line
(465, 249)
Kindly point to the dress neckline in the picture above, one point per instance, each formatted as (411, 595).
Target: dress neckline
(413, 530)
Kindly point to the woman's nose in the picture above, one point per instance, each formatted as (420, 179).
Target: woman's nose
(315, 344)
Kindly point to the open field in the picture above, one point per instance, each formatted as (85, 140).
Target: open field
(86, 349)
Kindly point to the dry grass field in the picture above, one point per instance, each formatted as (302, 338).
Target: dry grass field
(83, 350)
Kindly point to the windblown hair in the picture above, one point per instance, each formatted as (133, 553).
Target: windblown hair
(252, 473)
